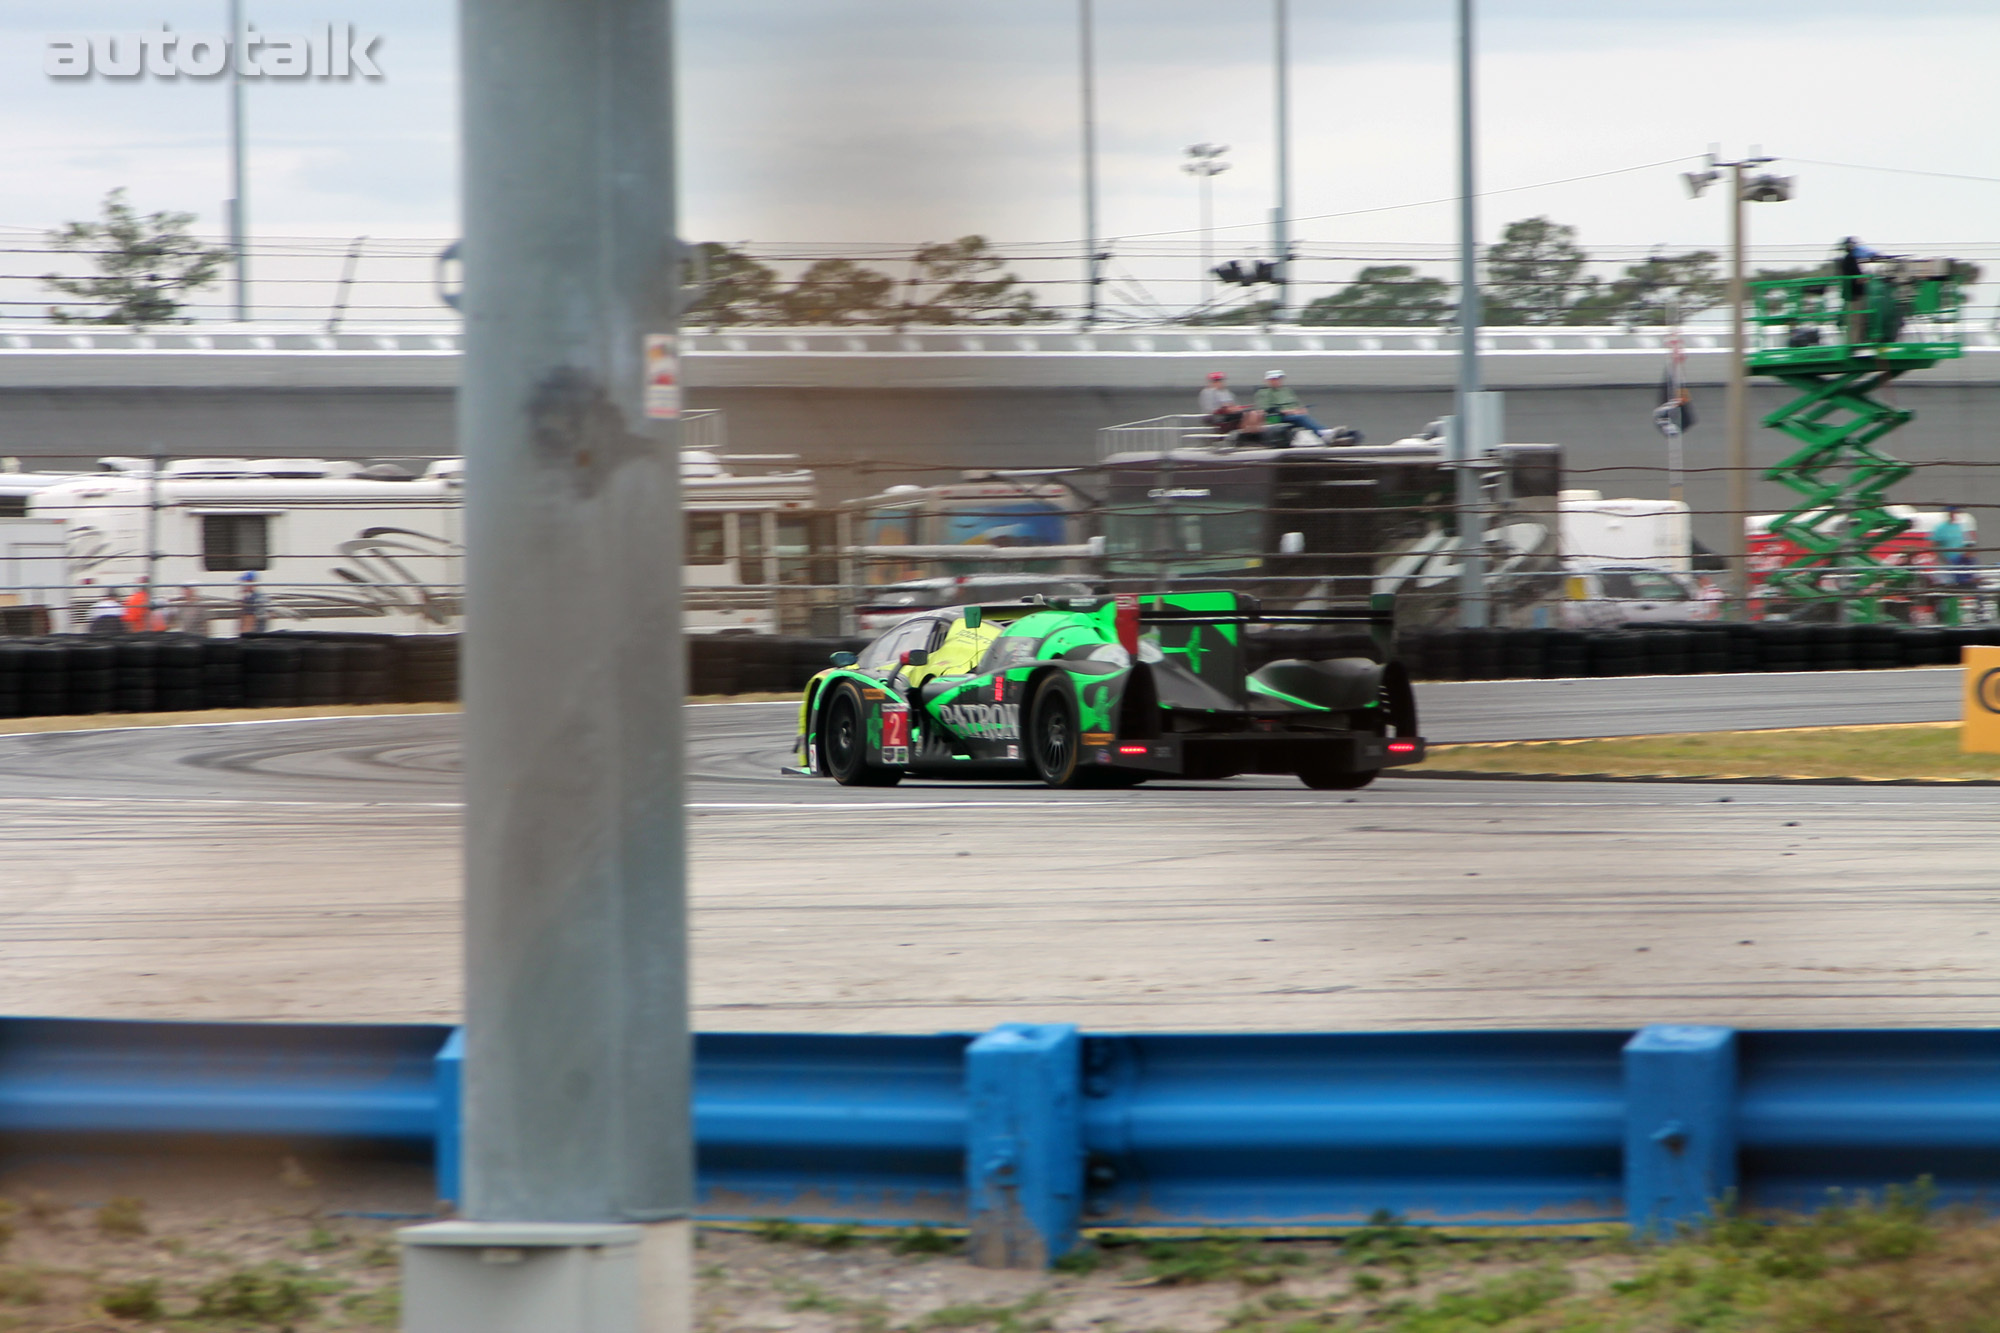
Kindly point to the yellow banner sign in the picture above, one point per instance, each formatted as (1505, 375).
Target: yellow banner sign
(1981, 733)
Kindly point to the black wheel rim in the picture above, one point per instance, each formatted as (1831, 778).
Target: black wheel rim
(842, 735)
(1054, 741)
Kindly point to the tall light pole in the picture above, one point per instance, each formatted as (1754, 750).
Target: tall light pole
(578, 1136)
(1468, 433)
(239, 240)
(1087, 60)
(1281, 241)
(1205, 164)
(1742, 190)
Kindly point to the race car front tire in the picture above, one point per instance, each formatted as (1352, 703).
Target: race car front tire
(1055, 741)
(843, 742)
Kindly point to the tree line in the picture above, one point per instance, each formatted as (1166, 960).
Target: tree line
(1535, 274)
(950, 282)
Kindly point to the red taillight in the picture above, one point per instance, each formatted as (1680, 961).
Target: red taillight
(1402, 747)
(1131, 749)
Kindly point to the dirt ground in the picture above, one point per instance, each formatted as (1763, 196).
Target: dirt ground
(266, 1240)
(252, 1240)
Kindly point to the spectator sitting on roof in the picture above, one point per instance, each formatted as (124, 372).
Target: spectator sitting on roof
(1279, 403)
(1220, 410)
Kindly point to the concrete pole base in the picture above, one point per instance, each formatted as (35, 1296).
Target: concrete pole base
(547, 1277)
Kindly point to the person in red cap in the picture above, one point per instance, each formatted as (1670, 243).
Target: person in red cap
(1220, 410)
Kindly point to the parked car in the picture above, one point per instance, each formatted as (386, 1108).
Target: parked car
(1611, 595)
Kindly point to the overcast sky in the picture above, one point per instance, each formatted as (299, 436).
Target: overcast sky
(847, 121)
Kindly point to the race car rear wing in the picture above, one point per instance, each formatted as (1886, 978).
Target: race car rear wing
(1158, 608)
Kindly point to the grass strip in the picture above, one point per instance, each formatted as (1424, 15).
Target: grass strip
(1919, 751)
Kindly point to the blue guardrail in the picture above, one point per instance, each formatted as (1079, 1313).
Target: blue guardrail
(1027, 1134)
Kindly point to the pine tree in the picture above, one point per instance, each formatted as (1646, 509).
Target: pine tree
(145, 264)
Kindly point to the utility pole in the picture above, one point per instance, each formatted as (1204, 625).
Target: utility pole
(159, 466)
(1087, 59)
(239, 201)
(1281, 241)
(1759, 189)
(1205, 164)
(1468, 439)
(578, 1143)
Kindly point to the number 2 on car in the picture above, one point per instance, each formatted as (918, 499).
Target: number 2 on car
(895, 733)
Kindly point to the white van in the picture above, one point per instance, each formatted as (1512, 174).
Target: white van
(1608, 596)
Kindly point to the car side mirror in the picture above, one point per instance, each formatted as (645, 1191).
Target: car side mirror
(843, 659)
(917, 657)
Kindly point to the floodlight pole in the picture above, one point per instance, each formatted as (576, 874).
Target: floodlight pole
(239, 201)
(576, 1069)
(1737, 407)
(1281, 241)
(1468, 439)
(1087, 61)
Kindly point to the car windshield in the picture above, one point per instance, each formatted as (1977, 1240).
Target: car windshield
(1007, 651)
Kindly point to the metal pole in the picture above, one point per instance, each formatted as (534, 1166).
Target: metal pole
(239, 198)
(1207, 236)
(1281, 219)
(159, 457)
(1471, 524)
(577, 1047)
(1086, 56)
(346, 284)
(1737, 407)
(1677, 391)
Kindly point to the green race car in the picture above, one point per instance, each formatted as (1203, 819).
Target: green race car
(1105, 692)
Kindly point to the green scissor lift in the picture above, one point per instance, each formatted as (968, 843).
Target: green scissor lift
(1837, 341)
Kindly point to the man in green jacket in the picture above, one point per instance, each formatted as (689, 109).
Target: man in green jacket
(1279, 403)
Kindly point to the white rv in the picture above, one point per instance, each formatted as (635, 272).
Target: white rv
(339, 545)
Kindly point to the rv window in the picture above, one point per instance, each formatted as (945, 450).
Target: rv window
(13, 506)
(704, 539)
(235, 541)
(750, 541)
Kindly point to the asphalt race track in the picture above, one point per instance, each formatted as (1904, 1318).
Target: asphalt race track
(309, 870)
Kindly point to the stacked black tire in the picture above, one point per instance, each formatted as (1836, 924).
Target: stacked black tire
(419, 668)
(1683, 649)
(760, 663)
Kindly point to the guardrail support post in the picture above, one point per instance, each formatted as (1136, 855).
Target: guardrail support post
(448, 1145)
(1024, 1144)
(1680, 1125)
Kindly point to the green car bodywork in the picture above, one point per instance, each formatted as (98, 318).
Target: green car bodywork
(1096, 691)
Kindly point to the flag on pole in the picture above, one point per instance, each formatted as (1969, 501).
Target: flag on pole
(1675, 413)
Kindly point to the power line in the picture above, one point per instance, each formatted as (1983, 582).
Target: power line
(1899, 171)
(1425, 203)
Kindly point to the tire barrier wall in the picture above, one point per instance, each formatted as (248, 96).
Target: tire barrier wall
(73, 674)
(172, 673)
(1027, 1133)
(1686, 649)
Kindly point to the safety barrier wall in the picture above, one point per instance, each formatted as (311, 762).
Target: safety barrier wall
(84, 674)
(143, 673)
(1029, 1133)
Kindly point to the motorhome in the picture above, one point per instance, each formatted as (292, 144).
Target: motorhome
(343, 545)
(1317, 523)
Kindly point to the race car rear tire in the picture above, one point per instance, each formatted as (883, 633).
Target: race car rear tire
(1055, 741)
(1322, 779)
(843, 742)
